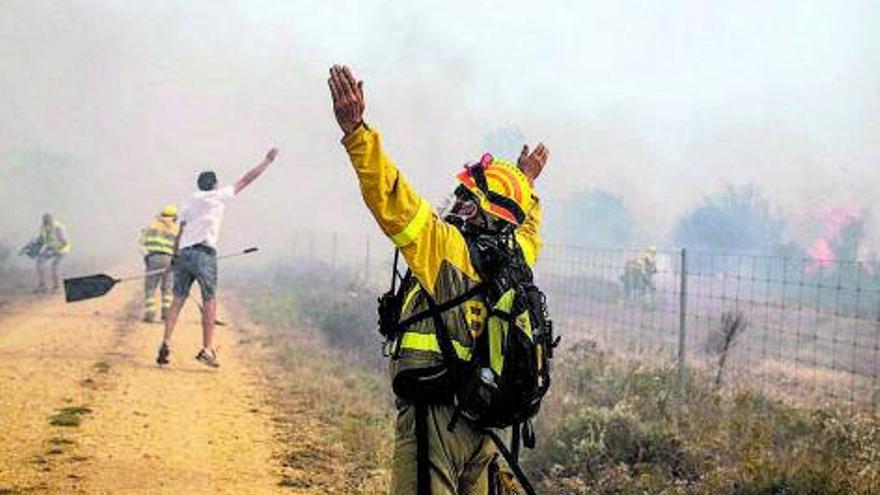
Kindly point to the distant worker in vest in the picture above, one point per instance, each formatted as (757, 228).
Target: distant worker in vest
(158, 241)
(196, 255)
(638, 276)
(433, 452)
(50, 245)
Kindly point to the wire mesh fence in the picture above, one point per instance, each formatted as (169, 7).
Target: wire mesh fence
(807, 330)
(803, 330)
(367, 258)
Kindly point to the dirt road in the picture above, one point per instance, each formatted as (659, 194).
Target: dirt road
(141, 429)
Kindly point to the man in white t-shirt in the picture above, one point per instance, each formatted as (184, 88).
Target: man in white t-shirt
(196, 258)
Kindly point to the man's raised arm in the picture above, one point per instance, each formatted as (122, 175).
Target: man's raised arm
(255, 172)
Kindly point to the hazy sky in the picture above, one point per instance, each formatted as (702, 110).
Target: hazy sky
(661, 102)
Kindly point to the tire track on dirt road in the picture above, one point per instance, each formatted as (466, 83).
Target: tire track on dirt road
(181, 429)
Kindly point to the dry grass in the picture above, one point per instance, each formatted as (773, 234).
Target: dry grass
(341, 440)
(350, 415)
(612, 428)
(814, 368)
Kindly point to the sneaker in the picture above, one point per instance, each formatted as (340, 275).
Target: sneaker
(149, 318)
(164, 352)
(208, 357)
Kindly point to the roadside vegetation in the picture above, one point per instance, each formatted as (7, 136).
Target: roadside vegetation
(607, 427)
(69, 416)
(319, 333)
(615, 429)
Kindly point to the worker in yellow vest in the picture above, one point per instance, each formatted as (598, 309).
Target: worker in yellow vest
(51, 244)
(158, 240)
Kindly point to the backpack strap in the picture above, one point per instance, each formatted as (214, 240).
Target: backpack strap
(515, 440)
(435, 309)
(512, 462)
(423, 463)
(444, 340)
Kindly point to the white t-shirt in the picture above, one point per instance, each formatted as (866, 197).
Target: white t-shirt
(203, 214)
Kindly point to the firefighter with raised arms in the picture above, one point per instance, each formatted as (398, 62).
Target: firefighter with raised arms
(448, 363)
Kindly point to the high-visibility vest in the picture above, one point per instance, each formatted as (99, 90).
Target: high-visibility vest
(159, 236)
(49, 237)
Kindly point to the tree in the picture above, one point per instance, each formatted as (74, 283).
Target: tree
(591, 217)
(739, 220)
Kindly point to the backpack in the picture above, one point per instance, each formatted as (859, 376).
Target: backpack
(509, 372)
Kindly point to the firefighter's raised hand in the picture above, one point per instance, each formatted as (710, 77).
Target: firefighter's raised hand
(348, 98)
(533, 163)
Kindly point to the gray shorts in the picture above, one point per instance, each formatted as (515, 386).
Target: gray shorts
(196, 263)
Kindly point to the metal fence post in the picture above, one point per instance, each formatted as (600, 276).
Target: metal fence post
(682, 324)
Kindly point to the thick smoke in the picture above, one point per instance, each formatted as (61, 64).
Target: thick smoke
(110, 109)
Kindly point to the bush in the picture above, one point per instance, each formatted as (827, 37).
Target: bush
(332, 301)
(593, 440)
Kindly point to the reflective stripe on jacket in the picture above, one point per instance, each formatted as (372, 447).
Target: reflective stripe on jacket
(160, 236)
(434, 250)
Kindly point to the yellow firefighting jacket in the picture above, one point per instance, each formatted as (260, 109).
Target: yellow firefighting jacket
(434, 250)
(160, 235)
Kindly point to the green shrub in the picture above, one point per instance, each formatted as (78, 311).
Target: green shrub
(272, 309)
(340, 306)
(594, 441)
(69, 416)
